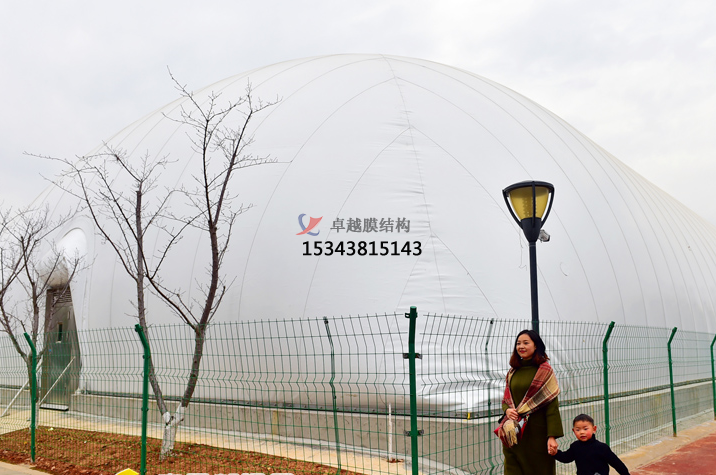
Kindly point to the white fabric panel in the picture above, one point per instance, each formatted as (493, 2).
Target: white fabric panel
(360, 136)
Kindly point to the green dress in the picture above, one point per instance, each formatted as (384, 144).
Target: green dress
(530, 456)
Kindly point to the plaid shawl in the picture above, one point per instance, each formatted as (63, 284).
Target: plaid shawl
(542, 391)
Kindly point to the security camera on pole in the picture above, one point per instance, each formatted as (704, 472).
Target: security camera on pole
(529, 203)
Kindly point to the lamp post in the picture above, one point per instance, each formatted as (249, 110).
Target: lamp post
(529, 203)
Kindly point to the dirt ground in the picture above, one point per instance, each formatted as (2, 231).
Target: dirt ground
(78, 452)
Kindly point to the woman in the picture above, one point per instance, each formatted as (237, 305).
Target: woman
(531, 423)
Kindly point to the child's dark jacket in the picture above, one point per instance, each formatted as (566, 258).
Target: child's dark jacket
(592, 457)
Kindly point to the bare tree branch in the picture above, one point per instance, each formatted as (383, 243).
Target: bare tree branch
(121, 196)
(24, 235)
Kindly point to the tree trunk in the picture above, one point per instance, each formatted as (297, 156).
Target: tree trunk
(171, 423)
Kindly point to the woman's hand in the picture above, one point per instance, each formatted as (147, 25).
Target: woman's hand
(512, 414)
(552, 445)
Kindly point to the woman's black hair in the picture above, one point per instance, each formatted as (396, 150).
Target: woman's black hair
(540, 355)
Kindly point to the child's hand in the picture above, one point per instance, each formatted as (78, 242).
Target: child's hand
(552, 446)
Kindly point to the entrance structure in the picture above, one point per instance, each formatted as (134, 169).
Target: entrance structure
(61, 363)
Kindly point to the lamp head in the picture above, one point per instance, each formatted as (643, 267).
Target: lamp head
(529, 203)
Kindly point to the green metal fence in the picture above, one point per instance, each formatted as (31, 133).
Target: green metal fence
(370, 394)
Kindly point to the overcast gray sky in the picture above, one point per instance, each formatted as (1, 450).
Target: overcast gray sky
(637, 77)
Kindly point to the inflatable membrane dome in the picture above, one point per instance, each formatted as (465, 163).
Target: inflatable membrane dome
(385, 192)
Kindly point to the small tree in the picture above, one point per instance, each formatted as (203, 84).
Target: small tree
(10, 268)
(124, 217)
(27, 276)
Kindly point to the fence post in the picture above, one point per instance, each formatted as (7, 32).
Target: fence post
(145, 397)
(33, 396)
(671, 382)
(489, 397)
(605, 364)
(713, 375)
(410, 356)
(333, 394)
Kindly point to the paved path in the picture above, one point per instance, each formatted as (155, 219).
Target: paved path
(698, 457)
(10, 469)
(658, 455)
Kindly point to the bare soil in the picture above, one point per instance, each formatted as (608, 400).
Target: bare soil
(78, 452)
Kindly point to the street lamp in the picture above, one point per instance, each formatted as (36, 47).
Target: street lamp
(529, 203)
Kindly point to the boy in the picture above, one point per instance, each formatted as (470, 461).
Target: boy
(592, 457)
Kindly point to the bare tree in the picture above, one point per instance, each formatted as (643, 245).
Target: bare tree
(10, 268)
(123, 218)
(27, 275)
